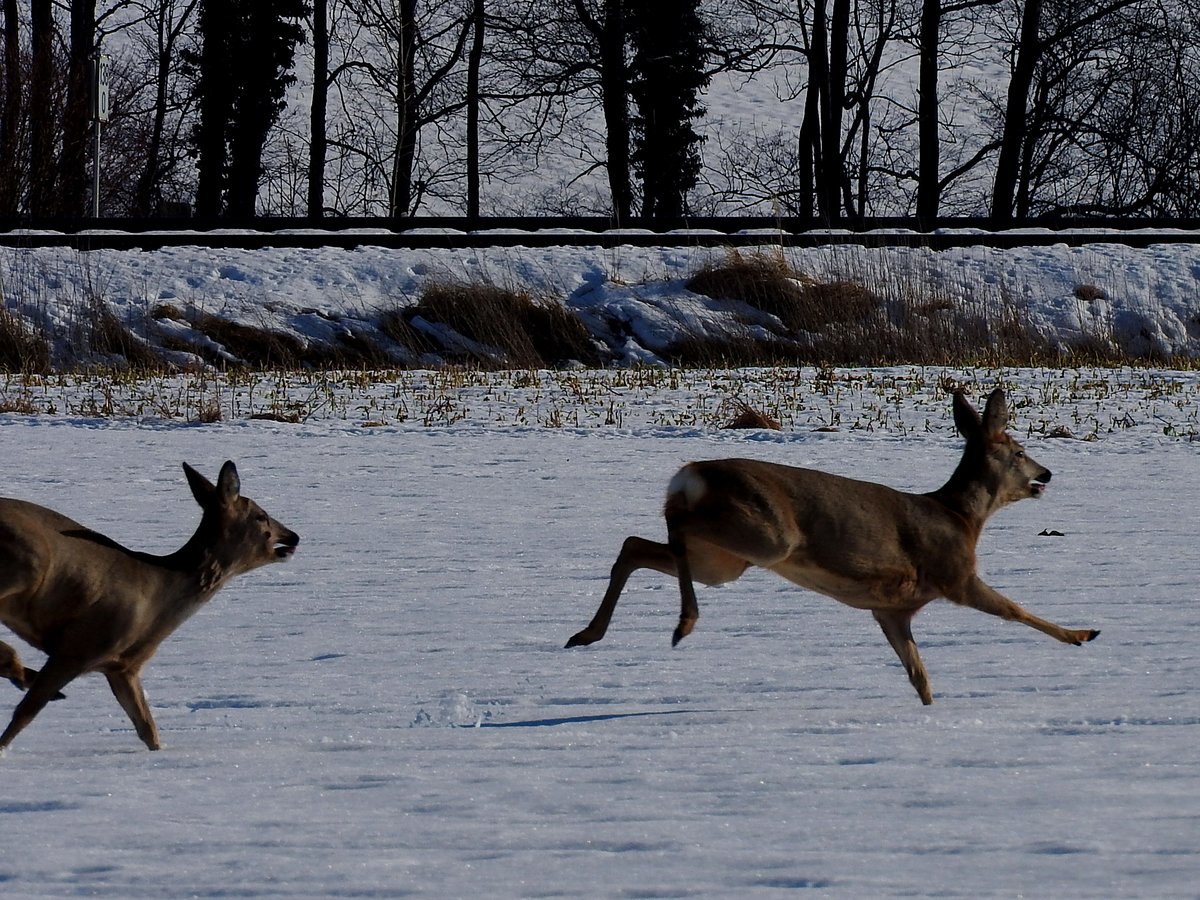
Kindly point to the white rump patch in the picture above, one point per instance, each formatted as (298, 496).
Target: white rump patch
(690, 483)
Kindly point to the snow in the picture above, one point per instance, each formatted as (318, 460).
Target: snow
(392, 712)
(1145, 301)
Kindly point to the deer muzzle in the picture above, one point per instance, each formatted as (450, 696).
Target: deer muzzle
(286, 545)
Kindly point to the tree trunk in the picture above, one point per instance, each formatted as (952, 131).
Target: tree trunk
(474, 60)
(833, 168)
(407, 107)
(816, 102)
(1016, 114)
(318, 141)
(77, 127)
(808, 143)
(929, 173)
(43, 124)
(10, 116)
(216, 103)
(146, 194)
(614, 78)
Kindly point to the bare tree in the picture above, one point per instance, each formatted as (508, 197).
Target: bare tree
(474, 101)
(45, 119)
(318, 110)
(402, 75)
(1042, 33)
(160, 31)
(10, 112)
(933, 131)
(1113, 113)
(74, 181)
(846, 48)
(929, 189)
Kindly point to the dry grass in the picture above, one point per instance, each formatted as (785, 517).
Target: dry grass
(394, 324)
(872, 315)
(746, 416)
(110, 337)
(798, 301)
(845, 322)
(503, 328)
(257, 348)
(22, 349)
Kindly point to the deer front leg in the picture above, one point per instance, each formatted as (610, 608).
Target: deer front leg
(636, 553)
(44, 687)
(897, 627)
(980, 596)
(127, 688)
(12, 669)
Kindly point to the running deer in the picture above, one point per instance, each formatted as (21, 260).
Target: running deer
(92, 606)
(865, 544)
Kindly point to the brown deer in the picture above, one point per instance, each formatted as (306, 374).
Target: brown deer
(865, 544)
(92, 606)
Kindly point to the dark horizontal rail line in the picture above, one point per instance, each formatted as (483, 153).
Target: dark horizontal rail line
(725, 224)
(150, 234)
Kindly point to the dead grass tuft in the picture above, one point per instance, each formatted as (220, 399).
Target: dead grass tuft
(844, 322)
(257, 348)
(110, 337)
(491, 327)
(1089, 293)
(22, 349)
(746, 416)
(800, 302)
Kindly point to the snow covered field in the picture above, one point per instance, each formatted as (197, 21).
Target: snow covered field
(391, 712)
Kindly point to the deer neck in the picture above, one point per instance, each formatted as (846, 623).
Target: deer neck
(196, 569)
(968, 495)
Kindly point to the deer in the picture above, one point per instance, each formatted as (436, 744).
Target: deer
(865, 544)
(91, 605)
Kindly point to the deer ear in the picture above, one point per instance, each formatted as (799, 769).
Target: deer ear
(966, 420)
(202, 488)
(228, 483)
(995, 414)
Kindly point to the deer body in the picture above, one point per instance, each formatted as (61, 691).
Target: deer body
(91, 605)
(864, 544)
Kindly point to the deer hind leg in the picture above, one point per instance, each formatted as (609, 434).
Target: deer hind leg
(127, 688)
(12, 669)
(897, 627)
(702, 560)
(636, 553)
(43, 688)
(689, 609)
(980, 596)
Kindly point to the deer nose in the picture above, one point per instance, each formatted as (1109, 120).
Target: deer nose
(286, 544)
(1044, 478)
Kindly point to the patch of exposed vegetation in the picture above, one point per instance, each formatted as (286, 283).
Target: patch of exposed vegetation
(22, 348)
(502, 328)
(769, 314)
(846, 322)
(112, 338)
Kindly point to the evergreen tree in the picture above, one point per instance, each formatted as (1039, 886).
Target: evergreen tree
(669, 42)
(244, 70)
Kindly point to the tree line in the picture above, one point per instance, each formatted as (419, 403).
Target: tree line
(1008, 109)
